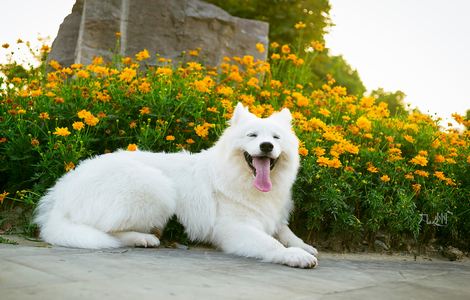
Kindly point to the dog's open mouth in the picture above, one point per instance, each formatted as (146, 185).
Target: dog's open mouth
(261, 167)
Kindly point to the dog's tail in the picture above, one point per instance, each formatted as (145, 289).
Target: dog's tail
(56, 229)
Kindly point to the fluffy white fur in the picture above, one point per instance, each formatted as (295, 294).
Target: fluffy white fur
(116, 199)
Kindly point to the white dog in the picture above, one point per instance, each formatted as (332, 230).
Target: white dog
(235, 195)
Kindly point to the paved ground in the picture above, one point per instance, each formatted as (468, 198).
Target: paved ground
(32, 272)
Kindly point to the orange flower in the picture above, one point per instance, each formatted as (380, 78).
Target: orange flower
(62, 131)
(44, 116)
(300, 25)
(285, 49)
(3, 196)
(144, 110)
(170, 138)
(69, 166)
(131, 147)
(371, 168)
(385, 178)
(303, 151)
(142, 55)
(78, 126)
(419, 160)
(34, 142)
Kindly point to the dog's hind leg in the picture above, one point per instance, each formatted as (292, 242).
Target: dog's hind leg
(137, 239)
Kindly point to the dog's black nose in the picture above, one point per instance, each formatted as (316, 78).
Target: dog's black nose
(266, 147)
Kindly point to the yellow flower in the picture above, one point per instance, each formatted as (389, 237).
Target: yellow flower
(385, 178)
(144, 87)
(144, 110)
(275, 56)
(334, 163)
(409, 138)
(212, 109)
(3, 196)
(78, 126)
(303, 151)
(62, 131)
(421, 173)
(318, 46)
(127, 74)
(194, 52)
(84, 114)
(190, 141)
(194, 66)
(83, 74)
(253, 82)
(142, 55)
(131, 147)
(69, 166)
(439, 158)
(371, 168)
(274, 45)
(364, 123)
(225, 90)
(416, 187)
(323, 161)
(97, 60)
(260, 47)
(325, 112)
(419, 160)
(44, 116)
(301, 99)
(164, 71)
(91, 120)
(202, 130)
(285, 49)
(55, 65)
(170, 138)
(300, 25)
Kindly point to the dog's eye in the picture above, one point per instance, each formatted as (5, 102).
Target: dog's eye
(252, 135)
(276, 137)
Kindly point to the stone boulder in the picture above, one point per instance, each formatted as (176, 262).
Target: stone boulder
(160, 26)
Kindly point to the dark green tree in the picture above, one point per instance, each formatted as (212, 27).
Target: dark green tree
(282, 15)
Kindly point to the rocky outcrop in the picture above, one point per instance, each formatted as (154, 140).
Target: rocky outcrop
(160, 26)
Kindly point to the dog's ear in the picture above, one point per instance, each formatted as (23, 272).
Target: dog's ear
(239, 113)
(284, 117)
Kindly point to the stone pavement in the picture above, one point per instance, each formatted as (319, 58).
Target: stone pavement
(44, 272)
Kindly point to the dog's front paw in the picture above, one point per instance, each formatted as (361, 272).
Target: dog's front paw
(295, 257)
(310, 249)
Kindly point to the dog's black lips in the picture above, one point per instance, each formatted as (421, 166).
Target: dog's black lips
(249, 160)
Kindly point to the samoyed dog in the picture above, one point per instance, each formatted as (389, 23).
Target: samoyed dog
(235, 195)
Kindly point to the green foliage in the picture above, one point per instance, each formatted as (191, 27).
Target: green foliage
(282, 15)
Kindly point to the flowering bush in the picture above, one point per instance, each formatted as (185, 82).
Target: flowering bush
(363, 170)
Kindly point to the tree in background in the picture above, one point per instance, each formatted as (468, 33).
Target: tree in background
(282, 15)
(393, 99)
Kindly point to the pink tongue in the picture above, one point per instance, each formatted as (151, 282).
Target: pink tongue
(262, 181)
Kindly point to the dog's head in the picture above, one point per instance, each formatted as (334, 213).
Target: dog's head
(268, 146)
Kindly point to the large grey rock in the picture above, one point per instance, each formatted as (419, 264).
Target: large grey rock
(164, 27)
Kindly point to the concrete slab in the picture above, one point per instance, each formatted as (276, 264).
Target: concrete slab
(28, 272)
